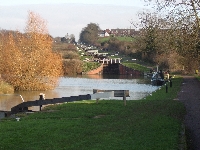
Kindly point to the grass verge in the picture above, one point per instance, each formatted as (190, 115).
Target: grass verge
(198, 77)
(87, 66)
(136, 66)
(153, 123)
(106, 39)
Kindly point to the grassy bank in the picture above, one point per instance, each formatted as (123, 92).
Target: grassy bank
(106, 39)
(198, 77)
(153, 123)
(136, 66)
(87, 66)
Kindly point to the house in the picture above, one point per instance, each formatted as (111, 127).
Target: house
(124, 32)
(101, 33)
(107, 32)
(104, 33)
(91, 52)
(118, 32)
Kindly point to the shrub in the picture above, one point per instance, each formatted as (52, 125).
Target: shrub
(26, 60)
(5, 88)
(72, 66)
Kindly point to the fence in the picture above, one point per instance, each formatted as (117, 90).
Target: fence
(97, 95)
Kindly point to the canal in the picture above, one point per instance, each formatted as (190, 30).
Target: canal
(80, 85)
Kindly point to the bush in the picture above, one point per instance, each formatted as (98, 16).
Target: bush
(5, 88)
(70, 55)
(72, 66)
(27, 61)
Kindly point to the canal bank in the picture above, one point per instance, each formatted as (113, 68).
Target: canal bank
(151, 123)
(190, 97)
(81, 85)
(115, 69)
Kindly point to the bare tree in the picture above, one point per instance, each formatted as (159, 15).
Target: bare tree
(179, 28)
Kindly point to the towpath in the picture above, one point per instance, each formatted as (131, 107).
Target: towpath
(190, 96)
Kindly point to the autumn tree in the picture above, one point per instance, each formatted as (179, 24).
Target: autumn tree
(28, 62)
(11, 58)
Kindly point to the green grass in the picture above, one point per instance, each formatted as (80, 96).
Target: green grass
(153, 123)
(106, 39)
(127, 39)
(197, 76)
(87, 66)
(136, 66)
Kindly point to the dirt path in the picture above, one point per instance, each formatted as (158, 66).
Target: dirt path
(190, 96)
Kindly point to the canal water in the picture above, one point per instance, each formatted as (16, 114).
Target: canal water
(81, 85)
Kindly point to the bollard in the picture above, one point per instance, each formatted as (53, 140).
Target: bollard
(166, 88)
(124, 98)
(42, 97)
(97, 100)
(170, 82)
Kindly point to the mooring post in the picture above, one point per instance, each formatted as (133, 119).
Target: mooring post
(166, 88)
(42, 97)
(170, 81)
(97, 100)
(124, 98)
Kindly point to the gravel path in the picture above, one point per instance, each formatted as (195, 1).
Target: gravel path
(190, 96)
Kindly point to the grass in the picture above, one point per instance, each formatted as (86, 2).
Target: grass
(106, 39)
(87, 66)
(136, 66)
(198, 77)
(153, 123)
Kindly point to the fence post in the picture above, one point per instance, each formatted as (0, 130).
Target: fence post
(42, 97)
(170, 81)
(124, 98)
(97, 100)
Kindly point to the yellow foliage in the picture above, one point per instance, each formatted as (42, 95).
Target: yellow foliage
(27, 61)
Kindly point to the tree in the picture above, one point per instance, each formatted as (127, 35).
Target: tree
(29, 63)
(89, 34)
(68, 38)
(72, 38)
(184, 24)
(150, 42)
(11, 59)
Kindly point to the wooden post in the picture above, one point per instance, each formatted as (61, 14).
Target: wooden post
(170, 83)
(124, 98)
(42, 97)
(97, 100)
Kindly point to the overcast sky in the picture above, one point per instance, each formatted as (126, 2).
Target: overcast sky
(70, 16)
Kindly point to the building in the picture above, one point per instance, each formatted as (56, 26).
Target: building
(118, 32)
(124, 32)
(104, 33)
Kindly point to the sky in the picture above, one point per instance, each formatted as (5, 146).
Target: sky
(71, 16)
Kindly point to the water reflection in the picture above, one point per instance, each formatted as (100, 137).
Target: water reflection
(138, 88)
